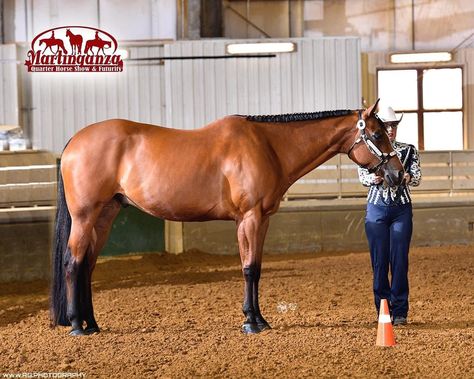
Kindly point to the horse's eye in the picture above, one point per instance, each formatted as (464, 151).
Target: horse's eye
(376, 136)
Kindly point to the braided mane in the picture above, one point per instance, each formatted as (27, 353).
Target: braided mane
(290, 117)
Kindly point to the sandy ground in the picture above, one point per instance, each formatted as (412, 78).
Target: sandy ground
(179, 316)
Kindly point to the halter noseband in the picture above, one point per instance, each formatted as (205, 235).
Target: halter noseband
(374, 150)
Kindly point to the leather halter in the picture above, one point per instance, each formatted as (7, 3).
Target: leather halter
(373, 149)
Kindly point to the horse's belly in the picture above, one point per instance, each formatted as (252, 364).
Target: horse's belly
(180, 203)
(186, 212)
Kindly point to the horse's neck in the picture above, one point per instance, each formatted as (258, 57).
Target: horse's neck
(304, 145)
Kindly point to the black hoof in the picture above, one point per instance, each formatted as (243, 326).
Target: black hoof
(250, 328)
(77, 332)
(92, 330)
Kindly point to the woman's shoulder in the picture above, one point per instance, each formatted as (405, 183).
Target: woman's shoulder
(404, 146)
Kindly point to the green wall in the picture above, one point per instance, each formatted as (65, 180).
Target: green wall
(134, 231)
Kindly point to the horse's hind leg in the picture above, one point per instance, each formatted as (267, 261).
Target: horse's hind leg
(251, 232)
(77, 267)
(101, 233)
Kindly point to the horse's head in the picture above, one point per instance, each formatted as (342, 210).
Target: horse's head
(373, 150)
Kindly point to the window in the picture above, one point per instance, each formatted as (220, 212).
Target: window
(431, 101)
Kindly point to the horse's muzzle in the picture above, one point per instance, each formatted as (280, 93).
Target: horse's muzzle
(393, 177)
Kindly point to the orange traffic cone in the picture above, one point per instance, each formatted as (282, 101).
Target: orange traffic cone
(385, 336)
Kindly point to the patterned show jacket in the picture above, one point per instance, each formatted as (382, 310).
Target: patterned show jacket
(379, 194)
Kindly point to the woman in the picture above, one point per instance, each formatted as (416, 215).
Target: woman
(388, 224)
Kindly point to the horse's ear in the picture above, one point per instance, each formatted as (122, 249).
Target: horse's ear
(375, 107)
(369, 112)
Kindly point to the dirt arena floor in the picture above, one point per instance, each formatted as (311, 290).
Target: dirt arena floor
(179, 317)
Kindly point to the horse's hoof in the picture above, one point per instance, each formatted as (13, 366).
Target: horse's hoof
(92, 330)
(250, 328)
(77, 332)
(263, 326)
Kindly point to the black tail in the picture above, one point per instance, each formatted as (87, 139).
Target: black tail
(62, 229)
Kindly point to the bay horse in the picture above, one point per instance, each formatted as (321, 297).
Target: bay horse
(236, 168)
(75, 41)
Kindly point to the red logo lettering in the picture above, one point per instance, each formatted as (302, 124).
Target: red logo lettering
(74, 49)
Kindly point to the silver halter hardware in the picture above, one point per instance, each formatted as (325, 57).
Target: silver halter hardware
(360, 124)
(374, 150)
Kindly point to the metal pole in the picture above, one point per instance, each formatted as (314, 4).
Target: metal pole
(289, 18)
(413, 24)
(248, 21)
(26, 21)
(2, 21)
(248, 16)
(98, 14)
(394, 39)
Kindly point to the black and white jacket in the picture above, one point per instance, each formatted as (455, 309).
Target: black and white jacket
(379, 194)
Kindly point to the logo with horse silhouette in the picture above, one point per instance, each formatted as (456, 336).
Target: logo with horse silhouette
(74, 49)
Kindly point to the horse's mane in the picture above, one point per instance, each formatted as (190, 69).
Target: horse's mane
(290, 117)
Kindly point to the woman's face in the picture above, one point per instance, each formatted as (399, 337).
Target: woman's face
(391, 130)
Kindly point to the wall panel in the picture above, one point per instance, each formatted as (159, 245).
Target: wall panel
(8, 85)
(65, 103)
(323, 74)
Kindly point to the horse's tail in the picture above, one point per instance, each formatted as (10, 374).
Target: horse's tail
(62, 230)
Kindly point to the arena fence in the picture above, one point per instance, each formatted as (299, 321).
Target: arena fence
(447, 173)
(330, 218)
(27, 205)
(28, 178)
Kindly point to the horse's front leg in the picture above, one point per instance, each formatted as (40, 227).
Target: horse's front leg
(251, 230)
(261, 322)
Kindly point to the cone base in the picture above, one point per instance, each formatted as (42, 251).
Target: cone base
(385, 336)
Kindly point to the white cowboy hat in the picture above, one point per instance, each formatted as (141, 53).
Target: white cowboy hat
(387, 114)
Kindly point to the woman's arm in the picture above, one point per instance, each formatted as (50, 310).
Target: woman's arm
(414, 170)
(368, 179)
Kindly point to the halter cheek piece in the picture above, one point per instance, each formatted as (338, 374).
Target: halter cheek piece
(363, 137)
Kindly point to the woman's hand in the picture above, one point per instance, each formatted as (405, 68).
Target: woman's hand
(407, 178)
(378, 179)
